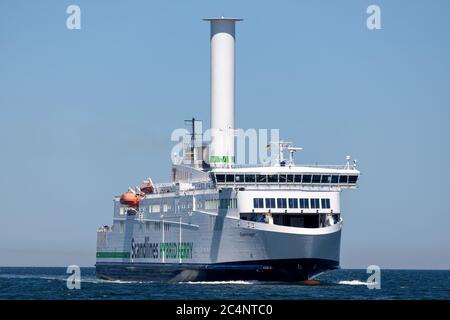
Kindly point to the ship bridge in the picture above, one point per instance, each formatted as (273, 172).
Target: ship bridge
(290, 176)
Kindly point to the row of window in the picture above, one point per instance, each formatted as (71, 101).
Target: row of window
(210, 204)
(291, 203)
(286, 178)
(156, 226)
(215, 204)
(154, 208)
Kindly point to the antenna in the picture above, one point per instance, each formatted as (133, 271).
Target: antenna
(193, 143)
(292, 151)
(192, 146)
(285, 145)
(348, 158)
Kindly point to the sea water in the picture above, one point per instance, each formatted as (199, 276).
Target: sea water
(51, 283)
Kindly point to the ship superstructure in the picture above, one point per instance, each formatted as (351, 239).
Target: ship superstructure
(216, 220)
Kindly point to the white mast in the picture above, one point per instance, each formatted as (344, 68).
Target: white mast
(221, 150)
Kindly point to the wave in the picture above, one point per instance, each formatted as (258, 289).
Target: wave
(355, 283)
(218, 282)
(31, 276)
(120, 281)
(89, 279)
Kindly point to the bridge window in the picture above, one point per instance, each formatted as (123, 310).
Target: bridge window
(304, 203)
(325, 203)
(286, 178)
(230, 177)
(270, 203)
(258, 203)
(293, 203)
(315, 204)
(281, 203)
(306, 178)
(261, 178)
(250, 178)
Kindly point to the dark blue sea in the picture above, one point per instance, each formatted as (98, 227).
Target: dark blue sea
(50, 283)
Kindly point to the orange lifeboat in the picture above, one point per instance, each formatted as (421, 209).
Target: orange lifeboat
(130, 199)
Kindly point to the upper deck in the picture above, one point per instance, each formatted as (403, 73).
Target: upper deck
(188, 179)
(305, 175)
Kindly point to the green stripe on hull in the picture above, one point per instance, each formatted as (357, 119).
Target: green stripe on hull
(118, 255)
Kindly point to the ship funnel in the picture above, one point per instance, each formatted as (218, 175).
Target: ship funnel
(221, 150)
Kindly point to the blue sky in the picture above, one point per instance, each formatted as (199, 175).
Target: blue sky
(86, 113)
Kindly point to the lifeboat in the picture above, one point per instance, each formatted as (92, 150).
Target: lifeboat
(147, 186)
(130, 199)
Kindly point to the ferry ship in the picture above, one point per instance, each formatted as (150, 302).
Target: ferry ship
(217, 220)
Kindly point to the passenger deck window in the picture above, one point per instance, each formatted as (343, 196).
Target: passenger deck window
(293, 203)
(272, 178)
(239, 178)
(281, 203)
(226, 203)
(352, 179)
(316, 178)
(220, 177)
(298, 178)
(282, 178)
(290, 178)
(230, 177)
(325, 203)
(270, 202)
(334, 179)
(315, 204)
(304, 203)
(258, 203)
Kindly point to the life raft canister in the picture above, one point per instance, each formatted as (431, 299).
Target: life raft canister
(147, 186)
